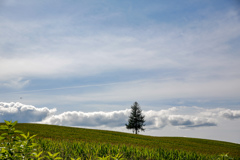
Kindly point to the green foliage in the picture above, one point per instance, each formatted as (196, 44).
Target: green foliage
(16, 145)
(52, 156)
(136, 119)
(224, 157)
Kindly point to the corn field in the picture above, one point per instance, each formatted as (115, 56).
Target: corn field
(15, 144)
(86, 150)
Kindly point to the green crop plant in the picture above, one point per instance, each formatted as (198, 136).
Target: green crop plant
(16, 145)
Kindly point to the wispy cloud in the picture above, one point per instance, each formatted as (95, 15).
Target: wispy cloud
(178, 49)
(16, 83)
(162, 89)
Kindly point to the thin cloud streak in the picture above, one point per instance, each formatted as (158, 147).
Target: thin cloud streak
(153, 90)
(81, 86)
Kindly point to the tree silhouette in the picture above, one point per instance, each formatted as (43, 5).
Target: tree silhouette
(136, 119)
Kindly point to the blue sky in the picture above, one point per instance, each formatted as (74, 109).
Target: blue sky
(98, 57)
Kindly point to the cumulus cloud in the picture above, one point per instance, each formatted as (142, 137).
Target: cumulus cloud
(230, 114)
(181, 117)
(175, 117)
(221, 112)
(154, 119)
(110, 119)
(23, 113)
(190, 121)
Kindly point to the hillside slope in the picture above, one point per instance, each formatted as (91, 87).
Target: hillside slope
(202, 146)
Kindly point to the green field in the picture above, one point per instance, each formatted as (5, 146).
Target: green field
(75, 142)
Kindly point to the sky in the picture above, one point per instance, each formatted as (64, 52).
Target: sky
(84, 63)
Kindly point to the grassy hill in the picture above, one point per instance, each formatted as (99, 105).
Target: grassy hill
(201, 146)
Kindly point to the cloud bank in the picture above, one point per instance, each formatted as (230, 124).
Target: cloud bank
(23, 113)
(181, 117)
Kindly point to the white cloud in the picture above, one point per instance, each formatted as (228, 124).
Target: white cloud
(187, 121)
(224, 113)
(23, 113)
(175, 117)
(154, 119)
(183, 117)
(92, 119)
(230, 114)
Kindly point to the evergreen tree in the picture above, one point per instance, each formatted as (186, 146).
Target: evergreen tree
(136, 119)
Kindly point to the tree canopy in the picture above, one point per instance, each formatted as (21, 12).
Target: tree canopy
(136, 119)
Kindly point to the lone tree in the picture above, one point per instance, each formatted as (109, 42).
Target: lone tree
(136, 119)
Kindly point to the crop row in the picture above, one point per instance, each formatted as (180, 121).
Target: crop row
(87, 150)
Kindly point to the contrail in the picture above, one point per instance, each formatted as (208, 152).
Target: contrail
(80, 86)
